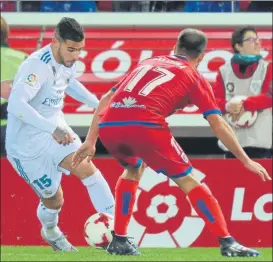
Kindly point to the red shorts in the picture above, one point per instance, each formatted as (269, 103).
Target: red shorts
(132, 144)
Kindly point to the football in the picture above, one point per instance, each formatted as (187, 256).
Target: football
(247, 119)
(97, 230)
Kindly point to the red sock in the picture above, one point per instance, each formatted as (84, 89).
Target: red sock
(125, 194)
(208, 208)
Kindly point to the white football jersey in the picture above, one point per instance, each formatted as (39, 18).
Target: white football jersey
(42, 81)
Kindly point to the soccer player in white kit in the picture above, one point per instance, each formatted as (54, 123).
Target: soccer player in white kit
(39, 143)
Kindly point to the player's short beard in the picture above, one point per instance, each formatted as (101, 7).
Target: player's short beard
(61, 58)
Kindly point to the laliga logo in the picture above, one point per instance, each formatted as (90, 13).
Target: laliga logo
(163, 217)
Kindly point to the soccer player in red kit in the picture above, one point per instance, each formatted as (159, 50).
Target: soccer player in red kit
(130, 121)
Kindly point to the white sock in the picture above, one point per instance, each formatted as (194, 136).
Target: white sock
(100, 193)
(49, 219)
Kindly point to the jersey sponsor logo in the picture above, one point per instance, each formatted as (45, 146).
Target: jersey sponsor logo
(127, 103)
(52, 102)
(31, 80)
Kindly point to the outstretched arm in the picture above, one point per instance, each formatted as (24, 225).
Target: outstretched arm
(79, 92)
(224, 132)
(88, 148)
(93, 131)
(203, 97)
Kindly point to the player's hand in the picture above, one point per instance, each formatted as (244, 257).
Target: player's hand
(258, 169)
(62, 136)
(87, 149)
(234, 107)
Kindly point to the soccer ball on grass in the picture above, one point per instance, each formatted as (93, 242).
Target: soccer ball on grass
(97, 229)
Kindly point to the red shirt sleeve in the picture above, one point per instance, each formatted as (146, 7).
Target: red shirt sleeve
(203, 97)
(263, 100)
(219, 92)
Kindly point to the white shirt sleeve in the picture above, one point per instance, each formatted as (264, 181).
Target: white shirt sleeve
(27, 83)
(81, 94)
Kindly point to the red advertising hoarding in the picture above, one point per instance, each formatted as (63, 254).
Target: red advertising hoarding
(162, 215)
(111, 52)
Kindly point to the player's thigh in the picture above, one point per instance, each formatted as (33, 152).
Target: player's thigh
(164, 154)
(62, 158)
(118, 144)
(60, 153)
(83, 170)
(40, 173)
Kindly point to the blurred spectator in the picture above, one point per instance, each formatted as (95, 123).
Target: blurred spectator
(148, 6)
(244, 5)
(260, 6)
(11, 59)
(7, 6)
(247, 74)
(30, 6)
(131, 6)
(211, 6)
(68, 6)
(105, 6)
(137, 6)
(167, 6)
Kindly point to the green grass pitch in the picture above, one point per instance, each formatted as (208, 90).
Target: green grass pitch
(34, 253)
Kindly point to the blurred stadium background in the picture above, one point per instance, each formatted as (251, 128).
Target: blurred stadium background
(119, 34)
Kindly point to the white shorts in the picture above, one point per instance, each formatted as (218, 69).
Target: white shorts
(44, 174)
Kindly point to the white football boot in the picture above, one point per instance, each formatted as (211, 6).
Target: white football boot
(60, 244)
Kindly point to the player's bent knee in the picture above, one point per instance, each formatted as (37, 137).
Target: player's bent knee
(136, 170)
(54, 202)
(142, 167)
(85, 169)
(134, 173)
(187, 183)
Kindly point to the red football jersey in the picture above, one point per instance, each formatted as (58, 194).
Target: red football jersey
(156, 88)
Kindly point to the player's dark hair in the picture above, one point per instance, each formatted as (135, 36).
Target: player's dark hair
(238, 36)
(191, 42)
(4, 31)
(69, 29)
